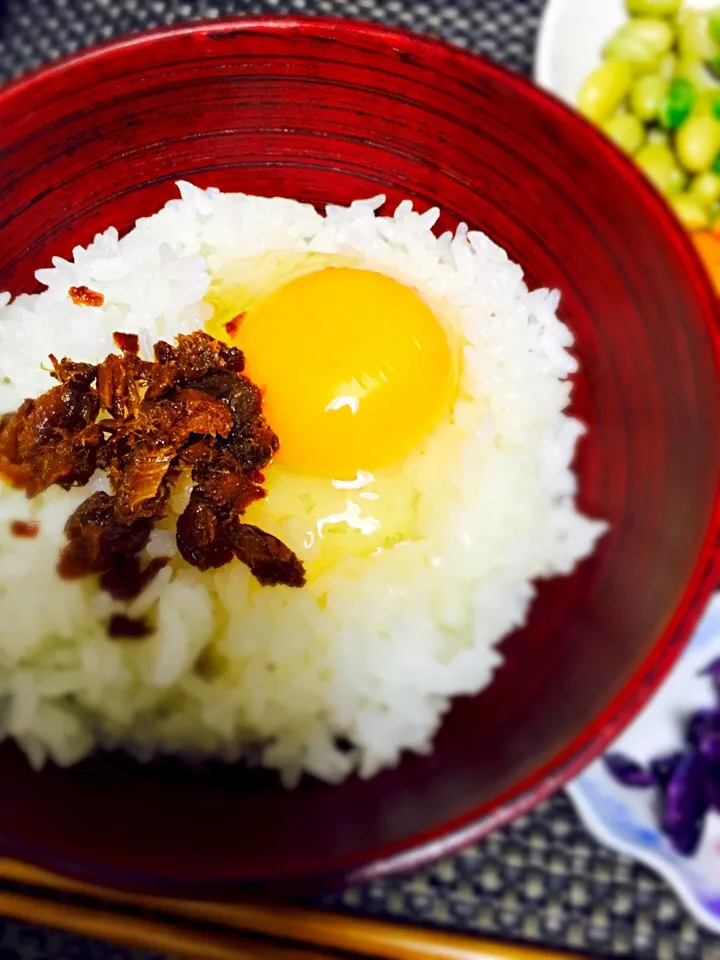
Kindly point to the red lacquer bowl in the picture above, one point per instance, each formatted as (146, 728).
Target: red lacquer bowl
(330, 111)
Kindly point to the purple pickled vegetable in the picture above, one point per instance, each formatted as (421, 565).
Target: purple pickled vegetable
(712, 670)
(688, 781)
(703, 733)
(662, 768)
(627, 771)
(710, 737)
(686, 803)
(696, 727)
(712, 786)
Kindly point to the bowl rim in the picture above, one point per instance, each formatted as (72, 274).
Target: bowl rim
(448, 837)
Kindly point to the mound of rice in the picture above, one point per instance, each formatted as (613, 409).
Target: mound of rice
(376, 663)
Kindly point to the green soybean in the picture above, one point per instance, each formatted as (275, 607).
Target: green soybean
(604, 90)
(695, 41)
(690, 212)
(647, 96)
(713, 65)
(704, 105)
(676, 182)
(707, 104)
(626, 131)
(694, 71)
(657, 97)
(652, 8)
(658, 163)
(677, 104)
(642, 42)
(667, 66)
(698, 143)
(705, 188)
(714, 24)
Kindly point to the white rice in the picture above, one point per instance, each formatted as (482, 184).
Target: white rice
(398, 634)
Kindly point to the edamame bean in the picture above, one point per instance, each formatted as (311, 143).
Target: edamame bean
(698, 143)
(705, 188)
(704, 105)
(676, 182)
(695, 72)
(646, 96)
(641, 42)
(695, 41)
(714, 24)
(626, 131)
(658, 163)
(652, 8)
(656, 98)
(676, 107)
(713, 65)
(667, 66)
(604, 90)
(689, 211)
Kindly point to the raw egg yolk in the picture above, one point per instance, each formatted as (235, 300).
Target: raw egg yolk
(355, 369)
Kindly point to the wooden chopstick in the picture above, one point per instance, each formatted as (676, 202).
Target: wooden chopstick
(149, 934)
(241, 924)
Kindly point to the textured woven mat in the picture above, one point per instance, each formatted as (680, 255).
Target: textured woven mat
(38, 30)
(544, 879)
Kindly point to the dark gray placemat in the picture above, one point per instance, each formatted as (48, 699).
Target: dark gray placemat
(543, 879)
(38, 30)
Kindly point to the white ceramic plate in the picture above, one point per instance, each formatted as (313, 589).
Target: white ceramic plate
(572, 35)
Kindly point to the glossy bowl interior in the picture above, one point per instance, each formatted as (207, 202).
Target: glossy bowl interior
(328, 111)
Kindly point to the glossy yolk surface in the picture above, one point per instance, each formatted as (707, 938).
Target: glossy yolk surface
(355, 368)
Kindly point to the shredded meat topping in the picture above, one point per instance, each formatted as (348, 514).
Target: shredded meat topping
(126, 579)
(127, 342)
(232, 326)
(126, 628)
(96, 538)
(85, 297)
(146, 423)
(51, 440)
(27, 529)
